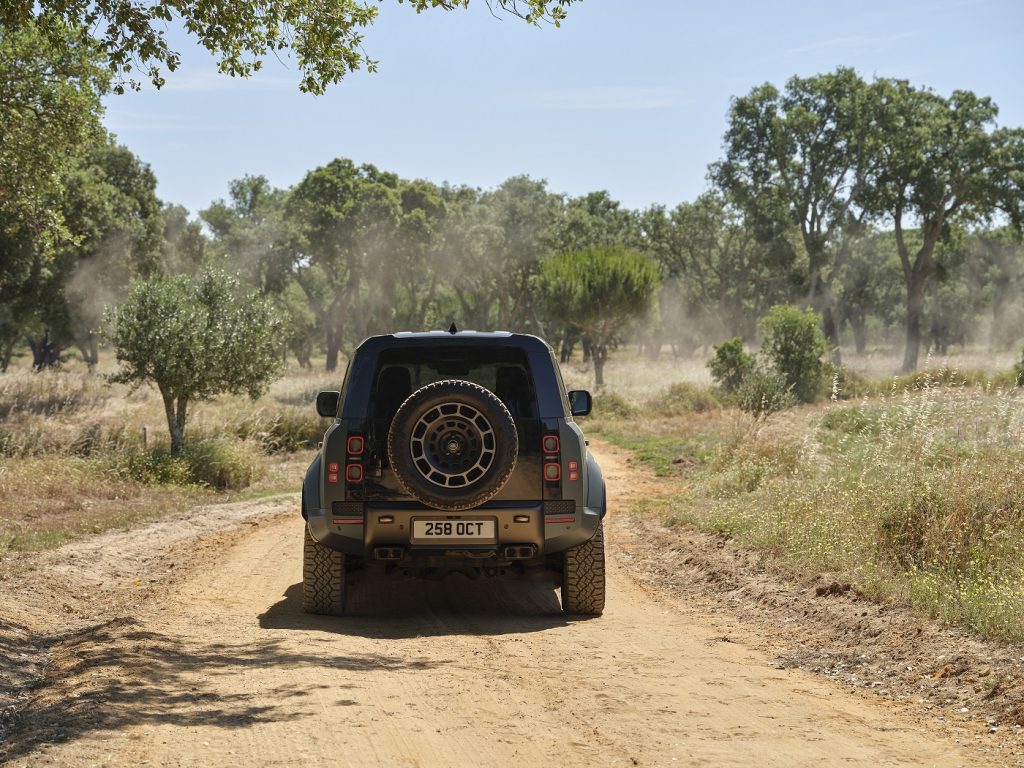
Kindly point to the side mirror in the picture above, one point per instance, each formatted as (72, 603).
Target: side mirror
(580, 402)
(327, 403)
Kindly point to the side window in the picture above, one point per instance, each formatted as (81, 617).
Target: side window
(392, 387)
(514, 387)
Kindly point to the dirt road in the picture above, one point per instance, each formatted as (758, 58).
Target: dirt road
(221, 668)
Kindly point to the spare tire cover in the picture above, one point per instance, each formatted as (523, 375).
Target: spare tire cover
(453, 444)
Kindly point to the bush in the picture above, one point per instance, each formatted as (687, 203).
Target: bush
(841, 383)
(731, 364)
(1018, 370)
(763, 393)
(682, 397)
(286, 429)
(220, 464)
(227, 465)
(793, 343)
(155, 467)
(614, 405)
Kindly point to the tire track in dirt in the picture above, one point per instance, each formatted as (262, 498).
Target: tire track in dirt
(222, 668)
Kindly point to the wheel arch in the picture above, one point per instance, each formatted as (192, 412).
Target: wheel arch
(596, 492)
(311, 488)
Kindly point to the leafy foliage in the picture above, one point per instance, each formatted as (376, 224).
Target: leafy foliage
(194, 339)
(600, 290)
(50, 89)
(731, 364)
(325, 37)
(793, 343)
(764, 392)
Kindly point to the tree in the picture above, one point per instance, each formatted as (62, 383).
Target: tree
(184, 243)
(942, 163)
(115, 222)
(799, 158)
(194, 338)
(493, 247)
(325, 37)
(601, 290)
(595, 219)
(50, 89)
(793, 343)
(251, 234)
(345, 216)
(869, 285)
(728, 275)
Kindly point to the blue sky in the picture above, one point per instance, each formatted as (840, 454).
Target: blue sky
(628, 95)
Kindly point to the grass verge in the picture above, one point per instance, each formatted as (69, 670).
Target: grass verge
(917, 496)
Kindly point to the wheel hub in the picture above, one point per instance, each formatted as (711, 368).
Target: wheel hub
(452, 445)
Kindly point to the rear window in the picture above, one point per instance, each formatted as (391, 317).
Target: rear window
(504, 371)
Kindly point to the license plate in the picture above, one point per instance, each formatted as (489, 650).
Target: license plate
(453, 530)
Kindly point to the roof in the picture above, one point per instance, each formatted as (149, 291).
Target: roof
(446, 338)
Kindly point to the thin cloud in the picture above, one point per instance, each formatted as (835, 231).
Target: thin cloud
(601, 98)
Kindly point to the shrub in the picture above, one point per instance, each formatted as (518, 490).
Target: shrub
(731, 364)
(683, 397)
(841, 383)
(227, 465)
(155, 467)
(614, 405)
(221, 464)
(793, 343)
(763, 393)
(285, 429)
(1018, 370)
(852, 420)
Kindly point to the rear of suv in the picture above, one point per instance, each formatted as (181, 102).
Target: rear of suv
(454, 452)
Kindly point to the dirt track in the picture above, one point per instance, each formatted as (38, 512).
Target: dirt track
(220, 667)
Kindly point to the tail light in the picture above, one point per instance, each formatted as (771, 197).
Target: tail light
(332, 472)
(552, 460)
(574, 470)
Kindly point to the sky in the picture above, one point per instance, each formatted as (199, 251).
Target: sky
(628, 96)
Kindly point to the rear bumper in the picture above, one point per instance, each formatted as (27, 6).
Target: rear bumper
(368, 530)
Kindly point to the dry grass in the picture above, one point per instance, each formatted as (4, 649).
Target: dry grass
(78, 455)
(916, 496)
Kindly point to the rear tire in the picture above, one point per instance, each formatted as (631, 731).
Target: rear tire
(323, 578)
(583, 576)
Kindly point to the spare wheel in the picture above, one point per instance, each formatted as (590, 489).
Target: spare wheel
(453, 444)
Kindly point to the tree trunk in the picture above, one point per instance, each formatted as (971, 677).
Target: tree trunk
(915, 309)
(860, 335)
(90, 351)
(175, 421)
(831, 328)
(600, 354)
(915, 275)
(6, 353)
(45, 353)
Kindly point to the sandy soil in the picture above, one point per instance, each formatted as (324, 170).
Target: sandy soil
(183, 644)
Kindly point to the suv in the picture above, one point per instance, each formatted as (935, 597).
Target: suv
(453, 452)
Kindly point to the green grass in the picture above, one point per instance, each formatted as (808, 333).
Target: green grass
(668, 456)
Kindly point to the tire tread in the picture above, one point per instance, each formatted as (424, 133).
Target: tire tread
(583, 577)
(323, 578)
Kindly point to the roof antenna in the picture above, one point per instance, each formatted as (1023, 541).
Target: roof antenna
(452, 329)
